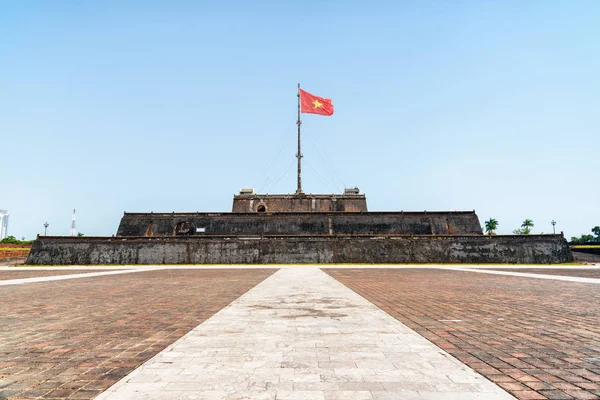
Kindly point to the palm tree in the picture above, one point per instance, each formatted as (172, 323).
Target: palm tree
(527, 225)
(490, 226)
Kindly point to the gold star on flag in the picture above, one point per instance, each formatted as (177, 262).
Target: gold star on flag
(317, 104)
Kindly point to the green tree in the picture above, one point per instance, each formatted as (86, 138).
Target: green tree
(526, 226)
(79, 234)
(588, 238)
(490, 226)
(14, 240)
(582, 239)
(10, 240)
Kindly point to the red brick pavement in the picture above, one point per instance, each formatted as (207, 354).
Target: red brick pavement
(582, 273)
(538, 339)
(20, 274)
(77, 337)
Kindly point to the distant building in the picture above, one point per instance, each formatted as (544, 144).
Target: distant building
(73, 230)
(3, 224)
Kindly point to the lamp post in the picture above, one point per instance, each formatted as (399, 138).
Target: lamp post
(553, 226)
(46, 228)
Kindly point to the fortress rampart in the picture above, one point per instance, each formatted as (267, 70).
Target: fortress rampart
(300, 223)
(300, 228)
(285, 249)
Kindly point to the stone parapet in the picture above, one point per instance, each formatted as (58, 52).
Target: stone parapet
(304, 202)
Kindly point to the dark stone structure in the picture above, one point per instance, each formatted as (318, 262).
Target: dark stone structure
(301, 228)
(351, 201)
(300, 223)
(534, 249)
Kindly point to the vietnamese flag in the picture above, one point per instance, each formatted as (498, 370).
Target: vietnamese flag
(311, 104)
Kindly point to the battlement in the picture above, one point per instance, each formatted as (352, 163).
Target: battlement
(249, 202)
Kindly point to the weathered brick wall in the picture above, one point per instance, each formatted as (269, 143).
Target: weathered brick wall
(531, 249)
(163, 224)
(14, 250)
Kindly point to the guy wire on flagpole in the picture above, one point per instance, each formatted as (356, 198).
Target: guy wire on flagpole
(299, 155)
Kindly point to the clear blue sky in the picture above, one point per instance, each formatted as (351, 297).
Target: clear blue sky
(159, 106)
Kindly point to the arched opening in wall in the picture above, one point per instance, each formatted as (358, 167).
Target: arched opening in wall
(261, 208)
(150, 230)
(184, 228)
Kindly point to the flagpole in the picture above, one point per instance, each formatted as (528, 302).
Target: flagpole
(299, 155)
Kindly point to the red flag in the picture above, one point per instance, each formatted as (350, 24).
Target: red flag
(312, 104)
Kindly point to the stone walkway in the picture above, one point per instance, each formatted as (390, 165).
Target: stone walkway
(301, 334)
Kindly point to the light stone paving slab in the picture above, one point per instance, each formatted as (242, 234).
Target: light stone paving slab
(300, 334)
(529, 266)
(66, 268)
(528, 275)
(73, 276)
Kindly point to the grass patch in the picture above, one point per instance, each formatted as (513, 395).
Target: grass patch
(586, 246)
(14, 248)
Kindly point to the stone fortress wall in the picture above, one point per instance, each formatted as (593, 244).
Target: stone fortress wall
(300, 228)
(278, 249)
(300, 223)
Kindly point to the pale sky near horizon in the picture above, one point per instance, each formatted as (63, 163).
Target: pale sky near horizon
(173, 106)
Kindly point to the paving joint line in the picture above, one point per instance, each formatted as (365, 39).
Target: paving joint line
(73, 276)
(525, 275)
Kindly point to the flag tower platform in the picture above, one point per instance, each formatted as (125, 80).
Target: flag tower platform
(300, 228)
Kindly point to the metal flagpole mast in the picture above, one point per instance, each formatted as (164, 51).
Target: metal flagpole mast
(299, 155)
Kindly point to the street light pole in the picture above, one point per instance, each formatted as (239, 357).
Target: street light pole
(553, 226)
(46, 224)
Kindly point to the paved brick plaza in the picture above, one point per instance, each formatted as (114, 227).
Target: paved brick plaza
(74, 338)
(530, 336)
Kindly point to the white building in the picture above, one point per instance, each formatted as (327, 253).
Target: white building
(3, 224)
